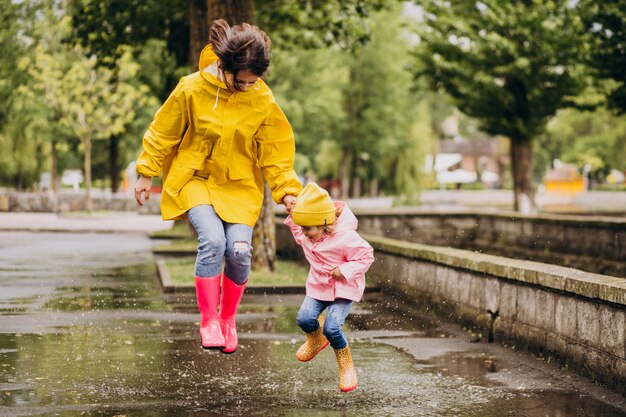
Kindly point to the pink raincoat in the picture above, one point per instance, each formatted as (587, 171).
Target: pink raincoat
(344, 249)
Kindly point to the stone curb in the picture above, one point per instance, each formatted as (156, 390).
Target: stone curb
(585, 284)
(598, 221)
(169, 287)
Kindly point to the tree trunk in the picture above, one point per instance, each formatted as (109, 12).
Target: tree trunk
(54, 175)
(373, 187)
(344, 174)
(356, 180)
(233, 11)
(522, 166)
(264, 236)
(356, 187)
(198, 30)
(88, 202)
(114, 169)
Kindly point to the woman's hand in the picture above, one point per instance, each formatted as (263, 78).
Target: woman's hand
(336, 273)
(143, 185)
(289, 201)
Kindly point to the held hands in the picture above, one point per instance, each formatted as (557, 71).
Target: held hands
(290, 202)
(143, 185)
(336, 273)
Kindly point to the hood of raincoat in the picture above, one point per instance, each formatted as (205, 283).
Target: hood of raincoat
(347, 220)
(208, 58)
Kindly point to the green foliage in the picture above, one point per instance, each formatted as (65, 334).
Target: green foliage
(308, 86)
(10, 50)
(595, 138)
(356, 105)
(606, 21)
(65, 98)
(381, 135)
(316, 24)
(510, 65)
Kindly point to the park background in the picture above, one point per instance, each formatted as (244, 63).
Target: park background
(481, 144)
(387, 99)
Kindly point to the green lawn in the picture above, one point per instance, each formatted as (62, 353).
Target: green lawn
(287, 273)
(190, 245)
(180, 230)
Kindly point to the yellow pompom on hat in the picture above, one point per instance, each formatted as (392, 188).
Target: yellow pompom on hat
(314, 207)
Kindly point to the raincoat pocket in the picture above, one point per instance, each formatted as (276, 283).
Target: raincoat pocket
(183, 167)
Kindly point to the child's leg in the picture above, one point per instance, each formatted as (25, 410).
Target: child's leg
(308, 321)
(310, 310)
(337, 313)
(336, 317)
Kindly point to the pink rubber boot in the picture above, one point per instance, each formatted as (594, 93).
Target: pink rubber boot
(229, 303)
(208, 294)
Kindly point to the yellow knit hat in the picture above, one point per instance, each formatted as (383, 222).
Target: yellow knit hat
(314, 207)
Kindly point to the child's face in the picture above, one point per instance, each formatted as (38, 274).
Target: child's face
(314, 233)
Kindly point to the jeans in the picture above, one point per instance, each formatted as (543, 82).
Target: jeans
(218, 239)
(338, 310)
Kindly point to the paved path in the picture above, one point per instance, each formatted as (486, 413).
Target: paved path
(84, 331)
(123, 221)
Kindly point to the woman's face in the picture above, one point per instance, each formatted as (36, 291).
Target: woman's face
(314, 233)
(245, 79)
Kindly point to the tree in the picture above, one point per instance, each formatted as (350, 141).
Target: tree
(606, 21)
(596, 139)
(85, 98)
(97, 106)
(380, 109)
(510, 65)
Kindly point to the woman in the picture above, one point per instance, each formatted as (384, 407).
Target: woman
(216, 137)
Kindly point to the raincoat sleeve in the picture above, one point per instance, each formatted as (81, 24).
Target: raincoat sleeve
(296, 230)
(276, 151)
(164, 133)
(359, 257)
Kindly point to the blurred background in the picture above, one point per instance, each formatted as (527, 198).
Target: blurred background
(434, 104)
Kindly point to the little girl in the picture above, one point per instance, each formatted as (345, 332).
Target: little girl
(339, 258)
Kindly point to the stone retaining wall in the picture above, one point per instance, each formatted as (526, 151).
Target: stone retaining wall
(578, 317)
(595, 244)
(45, 202)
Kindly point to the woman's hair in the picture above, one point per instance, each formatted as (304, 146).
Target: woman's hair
(239, 48)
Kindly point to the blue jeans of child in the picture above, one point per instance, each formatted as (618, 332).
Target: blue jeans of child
(338, 310)
(218, 239)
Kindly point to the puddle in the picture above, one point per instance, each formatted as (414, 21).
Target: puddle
(101, 340)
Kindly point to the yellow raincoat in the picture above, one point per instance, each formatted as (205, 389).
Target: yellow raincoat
(215, 147)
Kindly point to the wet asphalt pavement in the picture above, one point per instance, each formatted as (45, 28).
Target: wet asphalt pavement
(84, 330)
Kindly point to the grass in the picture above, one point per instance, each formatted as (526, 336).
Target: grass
(179, 245)
(180, 230)
(288, 273)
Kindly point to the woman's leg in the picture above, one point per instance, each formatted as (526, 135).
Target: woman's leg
(336, 317)
(211, 240)
(236, 271)
(211, 248)
(307, 320)
(238, 252)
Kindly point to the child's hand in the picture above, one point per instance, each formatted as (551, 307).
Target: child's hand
(336, 273)
(290, 202)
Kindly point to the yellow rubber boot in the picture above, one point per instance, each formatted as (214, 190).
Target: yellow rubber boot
(315, 343)
(347, 372)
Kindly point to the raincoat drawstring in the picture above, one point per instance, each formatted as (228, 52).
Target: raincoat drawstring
(217, 96)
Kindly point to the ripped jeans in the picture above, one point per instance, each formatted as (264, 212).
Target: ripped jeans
(218, 239)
